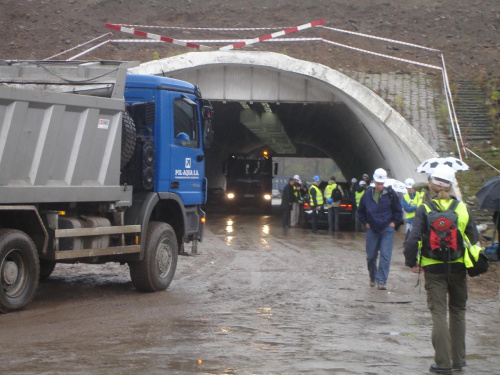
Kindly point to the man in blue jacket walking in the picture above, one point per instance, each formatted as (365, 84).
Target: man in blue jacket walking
(380, 212)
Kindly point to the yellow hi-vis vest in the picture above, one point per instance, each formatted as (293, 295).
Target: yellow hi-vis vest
(295, 191)
(328, 192)
(417, 201)
(463, 219)
(319, 196)
(358, 195)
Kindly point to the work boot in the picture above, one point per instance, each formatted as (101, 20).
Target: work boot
(435, 368)
(459, 366)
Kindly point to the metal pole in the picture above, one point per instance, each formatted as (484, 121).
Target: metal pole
(447, 94)
(452, 106)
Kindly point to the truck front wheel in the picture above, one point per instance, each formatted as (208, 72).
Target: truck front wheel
(19, 270)
(157, 268)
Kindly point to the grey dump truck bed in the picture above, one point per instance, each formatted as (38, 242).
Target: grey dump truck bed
(60, 132)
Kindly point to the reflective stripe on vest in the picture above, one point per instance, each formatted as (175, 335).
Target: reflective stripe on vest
(319, 196)
(358, 195)
(417, 201)
(463, 219)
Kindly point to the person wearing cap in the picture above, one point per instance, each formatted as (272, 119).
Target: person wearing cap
(410, 202)
(366, 178)
(445, 283)
(287, 200)
(380, 211)
(332, 207)
(294, 218)
(316, 202)
(358, 226)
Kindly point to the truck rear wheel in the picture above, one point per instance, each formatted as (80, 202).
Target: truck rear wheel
(156, 271)
(19, 270)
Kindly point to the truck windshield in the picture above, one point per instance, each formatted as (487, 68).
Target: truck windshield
(242, 167)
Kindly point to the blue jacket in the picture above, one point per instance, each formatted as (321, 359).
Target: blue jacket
(380, 215)
(408, 207)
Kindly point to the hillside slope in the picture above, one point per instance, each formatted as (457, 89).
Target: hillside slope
(466, 32)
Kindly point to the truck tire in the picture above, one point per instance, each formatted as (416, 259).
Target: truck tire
(46, 268)
(129, 138)
(156, 271)
(19, 270)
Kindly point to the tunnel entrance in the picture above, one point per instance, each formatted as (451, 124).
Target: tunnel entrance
(297, 108)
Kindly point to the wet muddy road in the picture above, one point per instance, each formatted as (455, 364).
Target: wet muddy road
(257, 299)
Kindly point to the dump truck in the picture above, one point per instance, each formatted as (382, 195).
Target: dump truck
(97, 165)
(249, 179)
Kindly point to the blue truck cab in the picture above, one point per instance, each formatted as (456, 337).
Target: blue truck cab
(171, 126)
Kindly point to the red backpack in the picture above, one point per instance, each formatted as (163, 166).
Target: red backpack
(443, 235)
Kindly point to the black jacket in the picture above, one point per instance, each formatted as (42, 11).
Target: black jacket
(288, 196)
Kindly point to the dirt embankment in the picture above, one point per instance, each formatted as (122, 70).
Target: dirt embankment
(466, 32)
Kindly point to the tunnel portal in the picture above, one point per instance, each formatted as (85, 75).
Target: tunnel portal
(296, 108)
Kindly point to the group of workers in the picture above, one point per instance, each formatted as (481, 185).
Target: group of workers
(379, 213)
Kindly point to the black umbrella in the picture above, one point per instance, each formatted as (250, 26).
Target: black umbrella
(488, 196)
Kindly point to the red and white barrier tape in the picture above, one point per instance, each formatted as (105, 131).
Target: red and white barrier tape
(382, 55)
(380, 38)
(286, 40)
(78, 46)
(278, 27)
(205, 28)
(156, 37)
(273, 35)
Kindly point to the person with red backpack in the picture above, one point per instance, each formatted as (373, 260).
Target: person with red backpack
(440, 227)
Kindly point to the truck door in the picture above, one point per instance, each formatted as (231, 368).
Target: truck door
(187, 157)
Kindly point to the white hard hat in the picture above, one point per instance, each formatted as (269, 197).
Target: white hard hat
(296, 177)
(409, 183)
(362, 183)
(354, 180)
(443, 172)
(380, 175)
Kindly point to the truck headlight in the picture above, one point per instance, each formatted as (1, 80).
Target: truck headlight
(267, 197)
(230, 195)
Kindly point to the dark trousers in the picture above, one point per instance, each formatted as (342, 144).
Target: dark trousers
(286, 215)
(314, 219)
(333, 218)
(447, 293)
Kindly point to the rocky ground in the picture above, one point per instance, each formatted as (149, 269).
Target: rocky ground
(466, 31)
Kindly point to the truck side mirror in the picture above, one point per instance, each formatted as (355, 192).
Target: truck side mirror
(275, 172)
(208, 132)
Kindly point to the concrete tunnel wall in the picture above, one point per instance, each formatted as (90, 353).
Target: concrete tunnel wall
(390, 141)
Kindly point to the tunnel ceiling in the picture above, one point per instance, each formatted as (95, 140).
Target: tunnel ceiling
(323, 113)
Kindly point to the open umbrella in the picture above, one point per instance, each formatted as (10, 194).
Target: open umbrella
(429, 165)
(397, 186)
(488, 196)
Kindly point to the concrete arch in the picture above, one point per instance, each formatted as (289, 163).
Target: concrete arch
(370, 132)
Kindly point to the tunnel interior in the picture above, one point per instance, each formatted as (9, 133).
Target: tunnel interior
(316, 130)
